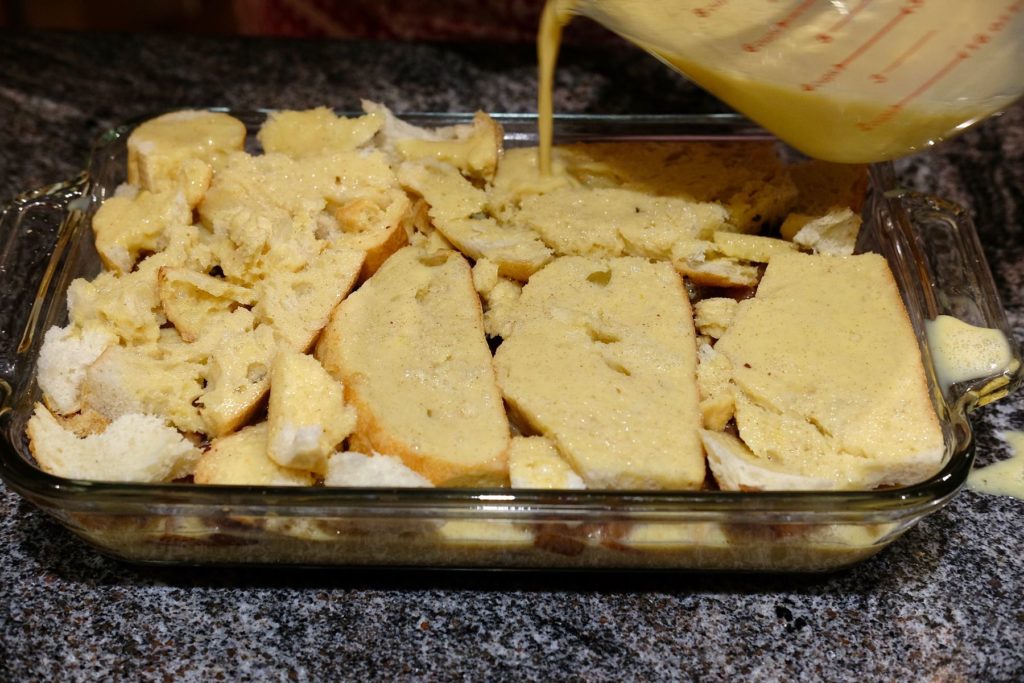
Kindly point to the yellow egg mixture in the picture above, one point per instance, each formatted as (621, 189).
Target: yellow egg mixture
(844, 82)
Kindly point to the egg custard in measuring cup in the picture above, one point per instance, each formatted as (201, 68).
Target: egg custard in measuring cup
(842, 80)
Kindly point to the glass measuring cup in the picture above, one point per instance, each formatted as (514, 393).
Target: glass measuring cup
(842, 80)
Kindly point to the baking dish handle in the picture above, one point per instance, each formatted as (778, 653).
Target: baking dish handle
(34, 233)
(961, 286)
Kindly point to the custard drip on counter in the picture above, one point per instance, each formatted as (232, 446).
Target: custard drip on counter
(1004, 478)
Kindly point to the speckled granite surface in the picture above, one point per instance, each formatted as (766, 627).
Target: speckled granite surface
(945, 603)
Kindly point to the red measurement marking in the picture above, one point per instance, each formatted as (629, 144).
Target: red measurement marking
(710, 8)
(882, 76)
(1000, 23)
(778, 29)
(921, 89)
(849, 16)
(838, 68)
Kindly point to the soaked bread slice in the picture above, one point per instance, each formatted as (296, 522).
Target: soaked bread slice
(828, 381)
(601, 359)
(409, 347)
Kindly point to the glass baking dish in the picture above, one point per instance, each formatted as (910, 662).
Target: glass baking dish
(931, 246)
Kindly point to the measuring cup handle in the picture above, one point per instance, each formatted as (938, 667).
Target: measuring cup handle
(34, 233)
(960, 284)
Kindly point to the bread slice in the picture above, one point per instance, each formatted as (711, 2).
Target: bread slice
(241, 459)
(828, 379)
(307, 414)
(601, 359)
(409, 347)
(133, 447)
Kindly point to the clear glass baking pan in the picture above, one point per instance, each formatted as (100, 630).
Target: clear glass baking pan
(931, 246)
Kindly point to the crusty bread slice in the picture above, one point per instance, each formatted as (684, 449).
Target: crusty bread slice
(241, 459)
(409, 347)
(133, 447)
(307, 414)
(602, 360)
(828, 377)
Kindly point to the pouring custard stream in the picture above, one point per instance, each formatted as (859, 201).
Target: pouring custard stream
(853, 82)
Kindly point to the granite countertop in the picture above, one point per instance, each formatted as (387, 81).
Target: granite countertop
(944, 603)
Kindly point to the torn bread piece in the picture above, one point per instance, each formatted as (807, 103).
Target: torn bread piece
(162, 152)
(498, 294)
(601, 359)
(306, 414)
(237, 379)
(298, 304)
(834, 234)
(753, 248)
(713, 315)
(409, 347)
(195, 302)
(457, 210)
(534, 463)
(126, 228)
(133, 447)
(828, 376)
(313, 132)
(717, 396)
(241, 459)
(144, 379)
(128, 304)
(473, 148)
(272, 213)
(736, 468)
(63, 359)
(374, 470)
(377, 231)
